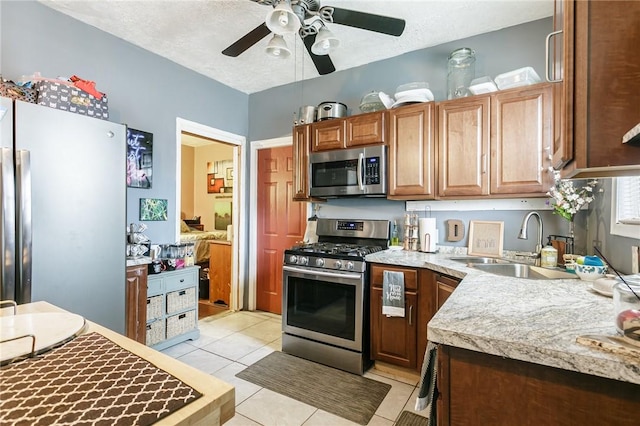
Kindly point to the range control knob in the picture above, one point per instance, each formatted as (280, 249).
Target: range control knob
(293, 259)
(349, 266)
(320, 262)
(338, 264)
(304, 260)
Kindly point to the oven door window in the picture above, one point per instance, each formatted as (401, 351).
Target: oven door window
(334, 173)
(323, 307)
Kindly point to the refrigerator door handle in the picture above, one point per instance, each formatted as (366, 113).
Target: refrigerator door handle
(7, 226)
(23, 195)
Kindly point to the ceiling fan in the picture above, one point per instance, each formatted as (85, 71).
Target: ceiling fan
(308, 19)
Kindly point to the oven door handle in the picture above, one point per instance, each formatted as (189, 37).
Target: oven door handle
(320, 273)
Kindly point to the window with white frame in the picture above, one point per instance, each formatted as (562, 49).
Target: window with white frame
(625, 207)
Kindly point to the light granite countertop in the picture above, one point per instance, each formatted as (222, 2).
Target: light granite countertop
(525, 319)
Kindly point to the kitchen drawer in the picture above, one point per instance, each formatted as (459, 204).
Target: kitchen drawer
(155, 332)
(181, 323)
(181, 300)
(155, 286)
(179, 280)
(154, 307)
(410, 276)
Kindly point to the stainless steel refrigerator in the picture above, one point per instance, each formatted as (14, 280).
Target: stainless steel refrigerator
(63, 212)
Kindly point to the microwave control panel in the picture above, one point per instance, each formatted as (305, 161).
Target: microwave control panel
(372, 171)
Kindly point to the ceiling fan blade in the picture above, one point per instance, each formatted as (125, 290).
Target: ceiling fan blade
(368, 21)
(251, 38)
(323, 63)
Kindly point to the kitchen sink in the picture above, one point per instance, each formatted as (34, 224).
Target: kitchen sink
(520, 270)
(479, 260)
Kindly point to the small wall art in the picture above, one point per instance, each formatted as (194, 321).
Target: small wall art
(486, 238)
(153, 209)
(220, 177)
(139, 158)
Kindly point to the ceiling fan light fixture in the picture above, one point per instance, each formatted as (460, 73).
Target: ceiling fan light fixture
(277, 47)
(325, 42)
(282, 20)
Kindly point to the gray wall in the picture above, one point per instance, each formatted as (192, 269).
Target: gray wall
(145, 91)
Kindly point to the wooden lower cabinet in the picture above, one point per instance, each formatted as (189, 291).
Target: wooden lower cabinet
(481, 389)
(395, 337)
(403, 341)
(136, 303)
(444, 286)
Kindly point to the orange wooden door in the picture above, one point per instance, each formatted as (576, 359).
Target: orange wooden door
(280, 224)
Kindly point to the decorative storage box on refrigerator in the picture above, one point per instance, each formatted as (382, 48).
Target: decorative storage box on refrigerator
(69, 98)
(13, 91)
(181, 323)
(155, 332)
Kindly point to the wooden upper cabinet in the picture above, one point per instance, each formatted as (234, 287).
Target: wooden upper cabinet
(412, 152)
(606, 82)
(561, 74)
(301, 147)
(463, 147)
(328, 134)
(367, 129)
(521, 140)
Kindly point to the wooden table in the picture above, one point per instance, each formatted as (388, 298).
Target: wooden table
(217, 404)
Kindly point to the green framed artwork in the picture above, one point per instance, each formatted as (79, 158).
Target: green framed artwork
(153, 209)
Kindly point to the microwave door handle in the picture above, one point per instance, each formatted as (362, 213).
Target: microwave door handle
(360, 171)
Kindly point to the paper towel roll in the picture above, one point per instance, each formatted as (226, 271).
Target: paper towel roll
(229, 232)
(428, 231)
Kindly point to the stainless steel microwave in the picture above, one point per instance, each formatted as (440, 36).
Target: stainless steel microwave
(349, 172)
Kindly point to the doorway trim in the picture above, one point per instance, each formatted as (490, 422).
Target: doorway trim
(253, 213)
(238, 257)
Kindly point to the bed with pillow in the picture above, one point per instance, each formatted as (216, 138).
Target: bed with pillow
(201, 240)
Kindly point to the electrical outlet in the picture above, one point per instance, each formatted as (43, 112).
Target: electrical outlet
(635, 253)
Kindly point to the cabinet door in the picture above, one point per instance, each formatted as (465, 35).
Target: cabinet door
(301, 147)
(220, 273)
(393, 339)
(367, 129)
(328, 134)
(561, 74)
(444, 288)
(412, 152)
(136, 303)
(521, 141)
(606, 83)
(463, 147)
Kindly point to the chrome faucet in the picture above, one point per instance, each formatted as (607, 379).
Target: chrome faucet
(523, 232)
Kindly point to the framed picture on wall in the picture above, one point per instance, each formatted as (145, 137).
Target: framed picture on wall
(139, 158)
(486, 238)
(153, 209)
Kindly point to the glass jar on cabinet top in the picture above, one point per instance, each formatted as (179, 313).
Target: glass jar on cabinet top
(460, 71)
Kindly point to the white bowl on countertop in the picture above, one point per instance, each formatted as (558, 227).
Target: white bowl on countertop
(590, 272)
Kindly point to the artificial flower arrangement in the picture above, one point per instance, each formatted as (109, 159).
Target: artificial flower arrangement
(569, 199)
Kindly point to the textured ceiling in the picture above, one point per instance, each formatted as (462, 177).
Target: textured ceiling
(192, 33)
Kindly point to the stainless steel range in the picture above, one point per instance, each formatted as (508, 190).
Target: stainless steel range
(325, 309)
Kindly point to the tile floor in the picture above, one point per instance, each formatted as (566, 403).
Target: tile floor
(231, 341)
